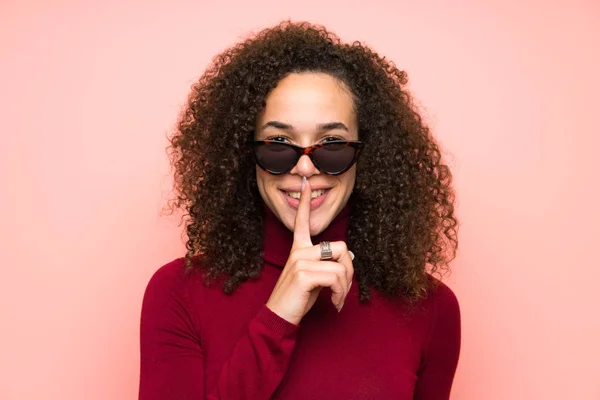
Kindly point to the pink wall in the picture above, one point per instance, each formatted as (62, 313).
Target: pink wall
(88, 93)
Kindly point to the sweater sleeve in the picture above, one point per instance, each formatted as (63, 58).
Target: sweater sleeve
(441, 356)
(172, 358)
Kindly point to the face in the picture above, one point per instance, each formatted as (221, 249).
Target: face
(306, 109)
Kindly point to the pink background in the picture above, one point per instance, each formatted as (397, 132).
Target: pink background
(89, 91)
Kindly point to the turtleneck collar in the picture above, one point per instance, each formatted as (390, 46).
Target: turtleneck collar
(277, 238)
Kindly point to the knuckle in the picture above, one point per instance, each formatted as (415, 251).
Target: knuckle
(340, 269)
(300, 276)
(300, 264)
(294, 254)
(343, 246)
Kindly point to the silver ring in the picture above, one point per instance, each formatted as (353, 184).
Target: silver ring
(326, 253)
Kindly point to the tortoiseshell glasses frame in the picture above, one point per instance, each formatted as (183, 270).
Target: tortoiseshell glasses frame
(331, 158)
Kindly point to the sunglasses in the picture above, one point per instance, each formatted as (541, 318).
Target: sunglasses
(331, 158)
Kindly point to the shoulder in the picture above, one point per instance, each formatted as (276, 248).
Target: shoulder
(444, 307)
(441, 295)
(169, 283)
(169, 275)
(166, 314)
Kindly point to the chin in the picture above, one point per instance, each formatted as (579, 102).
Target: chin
(319, 225)
(316, 231)
(318, 222)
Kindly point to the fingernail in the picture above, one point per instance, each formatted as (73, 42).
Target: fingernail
(303, 183)
(351, 255)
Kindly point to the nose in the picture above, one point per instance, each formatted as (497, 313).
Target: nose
(305, 167)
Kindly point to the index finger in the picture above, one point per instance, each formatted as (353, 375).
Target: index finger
(302, 222)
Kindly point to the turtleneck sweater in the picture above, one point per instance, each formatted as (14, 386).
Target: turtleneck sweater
(197, 342)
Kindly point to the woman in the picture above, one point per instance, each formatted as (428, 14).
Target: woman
(294, 148)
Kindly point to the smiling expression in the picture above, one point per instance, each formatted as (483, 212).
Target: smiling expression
(305, 109)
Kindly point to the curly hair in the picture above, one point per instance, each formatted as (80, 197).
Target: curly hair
(402, 226)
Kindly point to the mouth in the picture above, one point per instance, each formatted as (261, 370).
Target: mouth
(313, 195)
(317, 197)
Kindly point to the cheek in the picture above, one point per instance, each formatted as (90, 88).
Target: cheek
(263, 180)
(348, 179)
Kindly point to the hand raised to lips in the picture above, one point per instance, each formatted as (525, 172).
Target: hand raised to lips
(305, 274)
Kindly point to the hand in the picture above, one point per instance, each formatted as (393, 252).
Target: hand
(304, 274)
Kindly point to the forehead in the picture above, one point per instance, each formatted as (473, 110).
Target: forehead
(306, 99)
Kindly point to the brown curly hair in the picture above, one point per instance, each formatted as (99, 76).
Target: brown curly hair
(402, 224)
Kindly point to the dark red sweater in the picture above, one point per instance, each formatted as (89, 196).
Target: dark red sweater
(198, 343)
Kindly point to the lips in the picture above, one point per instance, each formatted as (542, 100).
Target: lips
(313, 194)
(318, 197)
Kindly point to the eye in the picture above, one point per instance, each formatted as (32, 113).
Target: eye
(279, 138)
(329, 139)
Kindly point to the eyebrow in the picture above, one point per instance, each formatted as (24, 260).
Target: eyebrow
(328, 126)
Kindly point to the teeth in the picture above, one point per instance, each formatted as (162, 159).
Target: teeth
(313, 194)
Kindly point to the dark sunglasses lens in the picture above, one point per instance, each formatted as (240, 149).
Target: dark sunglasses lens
(275, 157)
(333, 158)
